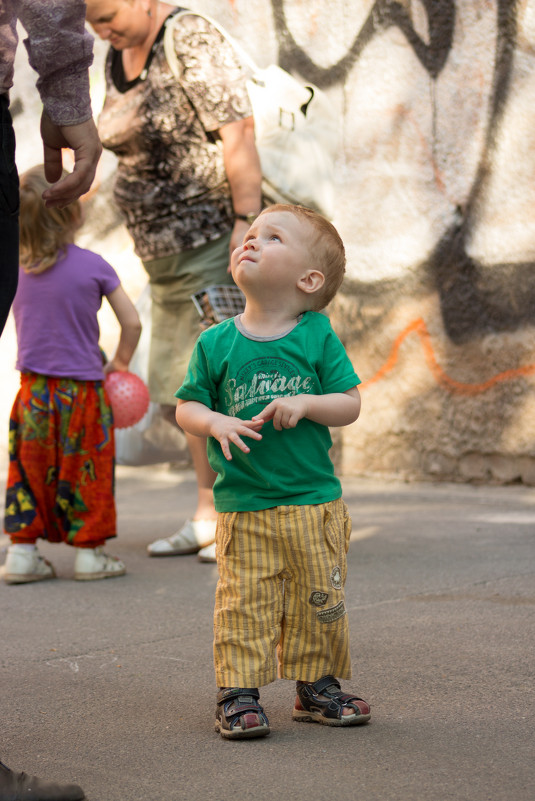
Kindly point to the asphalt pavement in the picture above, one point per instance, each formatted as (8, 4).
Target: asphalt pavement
(110, 683)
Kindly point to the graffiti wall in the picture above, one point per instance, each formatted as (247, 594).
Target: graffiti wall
(436, 204)
(435, 187)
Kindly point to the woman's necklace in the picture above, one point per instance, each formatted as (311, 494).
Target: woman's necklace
(145, 71)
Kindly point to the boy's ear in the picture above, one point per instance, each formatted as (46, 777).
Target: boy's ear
(311, 281)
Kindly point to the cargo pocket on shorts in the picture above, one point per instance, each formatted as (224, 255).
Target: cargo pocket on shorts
(337, 531)
(224, 531)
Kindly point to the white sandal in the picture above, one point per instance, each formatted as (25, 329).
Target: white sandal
(24, 565)
(191, 538)
(92, 563)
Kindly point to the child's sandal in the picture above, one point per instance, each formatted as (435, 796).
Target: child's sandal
(328, 709)
(239, 715)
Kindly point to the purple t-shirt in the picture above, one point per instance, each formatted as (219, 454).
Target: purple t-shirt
(56, 316)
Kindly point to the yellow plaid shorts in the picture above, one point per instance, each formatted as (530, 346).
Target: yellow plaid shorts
(280, 596)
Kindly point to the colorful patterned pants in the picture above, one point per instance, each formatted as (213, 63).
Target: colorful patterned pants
(280, 595)
(60, 483)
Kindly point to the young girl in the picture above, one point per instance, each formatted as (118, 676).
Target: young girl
(61, 445)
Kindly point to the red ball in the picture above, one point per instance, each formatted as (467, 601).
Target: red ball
(129, 398)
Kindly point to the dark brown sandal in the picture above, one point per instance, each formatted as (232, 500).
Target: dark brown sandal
(328, 710)
(239, 715)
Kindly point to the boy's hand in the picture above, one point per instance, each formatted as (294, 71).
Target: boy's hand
(232, 429)
(285, 412)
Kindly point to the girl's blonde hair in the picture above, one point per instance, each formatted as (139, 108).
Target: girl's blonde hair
(44, 232)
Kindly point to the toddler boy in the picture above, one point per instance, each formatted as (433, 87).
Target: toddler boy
(264, 387)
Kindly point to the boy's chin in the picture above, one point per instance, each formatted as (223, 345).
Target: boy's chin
(238, 280)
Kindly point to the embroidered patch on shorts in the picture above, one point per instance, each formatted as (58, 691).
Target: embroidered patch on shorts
(336, 578)
(318, 598)
(332, 613)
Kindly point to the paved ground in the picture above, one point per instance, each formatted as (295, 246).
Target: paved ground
(110, 683)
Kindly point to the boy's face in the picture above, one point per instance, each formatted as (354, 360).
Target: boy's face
(274, 254)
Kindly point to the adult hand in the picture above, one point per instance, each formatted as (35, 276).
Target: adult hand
(83, 140)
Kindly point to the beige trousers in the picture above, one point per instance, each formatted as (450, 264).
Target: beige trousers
(176, 323)
(280, 595)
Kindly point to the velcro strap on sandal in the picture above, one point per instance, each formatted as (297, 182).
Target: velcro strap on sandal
(319, 686)
(229, 693)
(327, 683)
(238, 706)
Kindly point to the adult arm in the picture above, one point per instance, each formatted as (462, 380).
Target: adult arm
(242, 165)
(61, 51)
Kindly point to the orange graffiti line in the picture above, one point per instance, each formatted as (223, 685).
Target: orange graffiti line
(441, 377)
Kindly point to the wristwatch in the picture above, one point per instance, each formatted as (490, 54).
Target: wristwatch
(248, 218)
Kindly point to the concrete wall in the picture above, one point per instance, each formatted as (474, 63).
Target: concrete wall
(436, 191)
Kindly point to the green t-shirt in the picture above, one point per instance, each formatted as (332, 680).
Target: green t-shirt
(238, 375)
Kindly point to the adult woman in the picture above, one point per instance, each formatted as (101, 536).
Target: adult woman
(188, 181)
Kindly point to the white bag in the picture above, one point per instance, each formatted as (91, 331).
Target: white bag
(297, 133)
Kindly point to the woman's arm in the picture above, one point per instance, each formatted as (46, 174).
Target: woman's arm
(242, 165)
